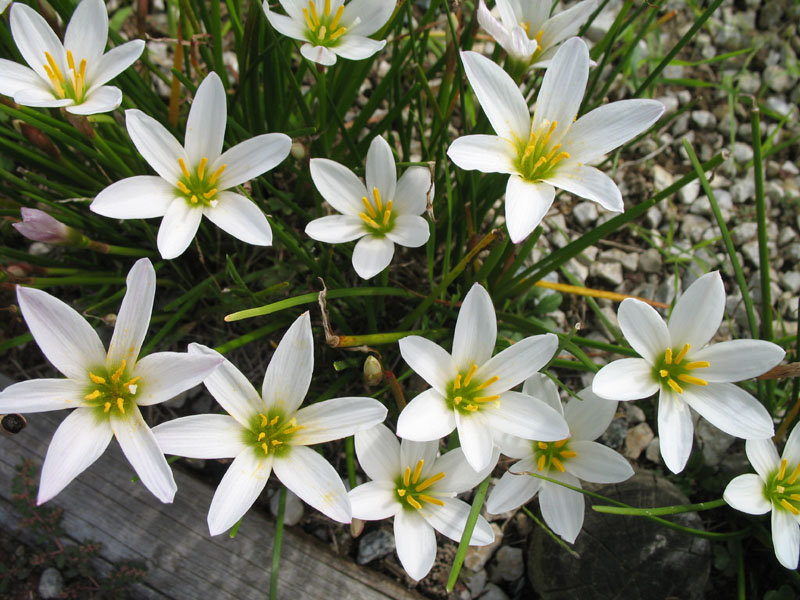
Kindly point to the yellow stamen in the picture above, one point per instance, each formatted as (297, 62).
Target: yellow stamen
(401, 492)
(430, 481)
(431, 500)
(542, 160)
(539, 37)
(560, 443)
(698, 364)
(558, 464)
(336, 18)
(118, 373)
(664, 373)
(292, 430)
(668, 356)
(96, 378)
(264, 420)
(457, 400)
(193, 199)
(368, 220)
(368, 206)
(414, 503)
(93, 396)
(795, 496)
(54, 81)
(184, 170)
(487, 383)
(780, 489)
(132, 381)
(338, 33)
(690, 379)
(313, 10)
(542, 445)
(561, 156)
(261, 436)
(486, 398)
(568, 453)
(782, 470)
(553, 151)
(210, 194)
(377, 195)
(540, 462)
(785, 504)
(201, 168)
(470, 373)
(276, 442)
(274, 420)
(82, 71)
(417, 471)
(457, 382)
(471, 407)
(213, 179)
(53, 66)
(265, 448)
(121, 405)
(682, 353)
(309, 22)
(327, 8)
(795, 474)
(183, 187)
(407, 477)
(388, 213)
(674, 385)
(322, 31)
(71, 61)
(106, 407)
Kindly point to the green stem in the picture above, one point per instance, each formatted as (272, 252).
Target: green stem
(662, 510)
(474, 512)
(276, 546)
(761, 219)
(351, 463)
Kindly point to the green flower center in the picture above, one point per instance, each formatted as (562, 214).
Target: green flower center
(271, 433)
(74, 85)
(111, 392)
(324, 29)
(784, 490)
(536, 158)
(377, 215)
(410, 490)
(198, 187)
(466, 395)
(671, 369)
(553, 454)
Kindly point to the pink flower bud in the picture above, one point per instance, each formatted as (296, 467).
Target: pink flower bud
(38, 226)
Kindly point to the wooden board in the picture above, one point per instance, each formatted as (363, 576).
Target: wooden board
(184, 562)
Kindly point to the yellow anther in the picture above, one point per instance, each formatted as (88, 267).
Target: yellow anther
(470, 373)
(339, 32)
(698, 364)
(471, 407)
(664, 373)
(538, 37)
(794, 496)
(71, 61)
(560, 443)
(309, 22)
(401, 492)
(457, 400)
(561, 156)
(82, 70)
(486, 398)
(414, 503)
(292, 430)
(780, 489)
(674, 385)
(369, 221)
(53, 66)
(93, 396)
(274, 420)
(795, 474)
(785, 504)
(213, 179)
(261, 436)
(264, 420)
(553, 151)
(526, 25)
(106, 407)
(430, 500)
(121, 405)
(265, 448)
(550, 131)
(407, 477)
(322, 31)
(558, 464)
(457, 382)
(183, 187)
(276, 443)
(690, 379)
(668, 356)
(568, 453)
(312, 8)
(210, 194)
(327, 8)
(368, 206)
(541, 462)
(96, 378)
(430, 481)
(184, 170)
(542, 160)
(682, 353)
(542, 445)
(132, 381)
(335, 23)
(782, 470)
(417, 471)
(201, 168)
(193, 199)
(377, 195)
(388, 213)
(118, 373)
(487, 383)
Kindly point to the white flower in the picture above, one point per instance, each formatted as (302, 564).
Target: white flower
(192, 178)
(470, 387)
(3, 5)
(333, 29)
(569, 460)
(549, 150)
(267, 432)
(71, 74)
(381, 215)
(419, 490)
(105, 389)
(677, 363)
(775, 487)
(526, 31)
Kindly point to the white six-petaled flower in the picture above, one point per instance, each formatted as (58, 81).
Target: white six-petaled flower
(385, 213)
(3, 5)
(569, 460)
(269, 432)
(551, 149)
(333, 28)
(192, 178)
(774, 488)
(470, 388)
(527, 32)
(105, 389)
(411, 483)
(686, 372)
(71, 74)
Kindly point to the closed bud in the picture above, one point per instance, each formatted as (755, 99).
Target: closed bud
(373, 371)
(38, 226)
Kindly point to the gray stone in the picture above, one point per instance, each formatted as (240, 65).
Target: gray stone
(608, 272)
(750, 252)
(614, 435)
(786, 235)
(589, 255)
(51, 584)
(662, 178)
(749, 82)
(790, 280)
(704, 119)
(477, 556)
(694, 227)
(653, 452)
(770, 15)
(684, 97)
(633, 413)
(742, 152)
(680, 125)
(778, 79)
(293, 509)
(744, 232)
(743, 190)
(689, 192)
(585, 213)
(666, 291)
(637, 439)
(650, 261)
(670, 104)
(577, 269)
(375, 544)
(730, 37)
(629, 260)
(508, 563)
(778, 105)
(713, 443)
(493, 592)
(653, 217)
(475, 582)
(789, 168)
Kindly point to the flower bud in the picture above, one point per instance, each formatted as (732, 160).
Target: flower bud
(373, 371)
(38, 226)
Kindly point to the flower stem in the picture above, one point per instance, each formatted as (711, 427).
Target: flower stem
(477, 503)
(549, 532)
(662, 510)
(276, 546)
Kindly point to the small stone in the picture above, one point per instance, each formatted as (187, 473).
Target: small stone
(694, 227)
(743, 190)
(749, 82)
(608, 272)
(713, 442)
(778, 105)
(51, 584)
(742, 152)
(789, 168)
(689, 192)
(680, 125)
(508, 563)
(777, 79)
(653, 452)
(684, 97)
(585, 213)
(770, 15)
(577, 269)
(650, 261)
(729, 37)
(477, 556)
(493, 592)
(633, 413)
(589, 255)
(375, 544)
(629, 260)
(786, 235)
(614, 435)
(637, 439)
(744, 232)
(704, 119)
(475, 582)
(293, 509)
(653, 217)
(750, 252)
(662, 178)
(792, 252)
(670, 104)
(790, 281)
(666, 291)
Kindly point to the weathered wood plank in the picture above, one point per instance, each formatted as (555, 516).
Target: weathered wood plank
(184, 562)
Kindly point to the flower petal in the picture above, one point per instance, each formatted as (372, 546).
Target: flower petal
(736, 360)
(644, 329)
(513, 446)
(167, 374)
(746, 493)
(475, 435)
(286, 25)
(675, 430)
(372, 255)
(289, 371)
(493, 27)
(597, 463)
(411, 194)
(785, 538)
(426, 417)
(763, 456)
(512, 491)
(516, 363)
(588, 182)
(337, 418)
(357, 47)
(698, 312)
(319, 54)
(157, 145)
(484, 153)
(34, 39)
(527, 203)
(451, 519)
(140, 447)
(64, 337)
(17, 78)
(205, 127)
(499, 97)
(374, 500)
(242, 483)
(201, 436)
(251, 158)
(140, 197)
(378, 453)
(336, 229)
(412, 452)
(87, 31)
(381, 169)
(430, 361)
(241, 218)
(315, 481)
(338, 185)
(625, 379)
(133, 318)
(731, 409)
(114, 62)
(365, 17)
(476, 331)
(541, 387)
(178, 228)
(410, 231)
(459, 475)
(565, 24)
(590, 416)
(526, 417)
(415, 542)
(40, 97)
(562, 88)
(791, 451)
(41, 395)
(562, 508)
(99, 100)
(609, 126)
